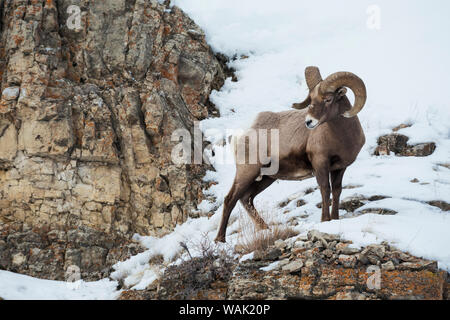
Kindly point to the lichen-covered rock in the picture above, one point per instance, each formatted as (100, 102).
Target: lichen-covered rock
(398, 144)
(87, 114)
(312, 272)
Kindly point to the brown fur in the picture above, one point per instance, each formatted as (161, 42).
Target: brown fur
(324, 152)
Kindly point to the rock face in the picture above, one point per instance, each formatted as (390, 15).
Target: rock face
(319, 266)
(86, 117)
(51, 253)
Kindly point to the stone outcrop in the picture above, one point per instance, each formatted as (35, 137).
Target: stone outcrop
(444, 206)
(353, 203)
(316, 266)
(41, 251)
(398, 144)
(86, 117)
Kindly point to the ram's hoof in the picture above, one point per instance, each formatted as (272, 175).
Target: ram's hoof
(260, 227)
(220, 239)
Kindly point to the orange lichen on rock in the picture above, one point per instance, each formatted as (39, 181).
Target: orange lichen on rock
(18, 39)
(171, 73)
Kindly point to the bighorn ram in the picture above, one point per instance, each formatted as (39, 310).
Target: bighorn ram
(322, 138)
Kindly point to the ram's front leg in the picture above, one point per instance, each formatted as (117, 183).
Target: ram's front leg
(322, 172)
(336, 185)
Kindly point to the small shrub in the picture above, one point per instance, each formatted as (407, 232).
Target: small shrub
(185, 280)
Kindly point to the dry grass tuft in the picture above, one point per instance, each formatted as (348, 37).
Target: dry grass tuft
(251, 240)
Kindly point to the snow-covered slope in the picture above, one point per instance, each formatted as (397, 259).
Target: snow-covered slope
(405, 66)
(20, 287)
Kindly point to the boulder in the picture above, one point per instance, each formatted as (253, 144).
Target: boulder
(398, 144)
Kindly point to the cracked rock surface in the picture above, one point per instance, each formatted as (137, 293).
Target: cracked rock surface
(86, 118)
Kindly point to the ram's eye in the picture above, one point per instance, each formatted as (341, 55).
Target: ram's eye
(328, 100)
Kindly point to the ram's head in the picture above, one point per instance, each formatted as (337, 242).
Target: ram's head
(327, 98)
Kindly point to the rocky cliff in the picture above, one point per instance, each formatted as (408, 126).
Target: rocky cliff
(86, 116)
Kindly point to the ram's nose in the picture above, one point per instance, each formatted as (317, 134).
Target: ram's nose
(311, 122)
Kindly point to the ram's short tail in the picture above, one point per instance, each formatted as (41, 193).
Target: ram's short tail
(233, 141)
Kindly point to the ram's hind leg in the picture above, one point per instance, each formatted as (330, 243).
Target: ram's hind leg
(245, 176)
(247, 201)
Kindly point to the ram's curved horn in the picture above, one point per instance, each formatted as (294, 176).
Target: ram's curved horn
(349, 80)
(303, 105)
(313, 77)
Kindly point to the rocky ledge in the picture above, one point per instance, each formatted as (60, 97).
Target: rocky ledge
(316, 266)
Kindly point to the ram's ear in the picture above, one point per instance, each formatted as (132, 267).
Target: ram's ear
(341, 92)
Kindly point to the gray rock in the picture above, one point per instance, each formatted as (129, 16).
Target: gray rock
(271, 254)
(380, 211)
(444, 206)
(302, 238)
(388, 266)
(349, 251)
(18, 259)
(362, 258)
(398, 144)
(347, 261)
(419, 265)
(350, 204)
(293, 267)
(373, 259)
(283, 262)
(328, 253)
(320, 244)
(332, 245)
(421, 150)
(299, 244)
(315, 235)
(280, 244)
(300, 203)
(376, 249)
(310, 263)
(395, 142)
(10, 93)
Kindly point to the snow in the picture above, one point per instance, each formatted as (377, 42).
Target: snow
(15, 286)
(246, 257)
(405, 66)
(396, 62)
(271, 266)
(10, 93)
